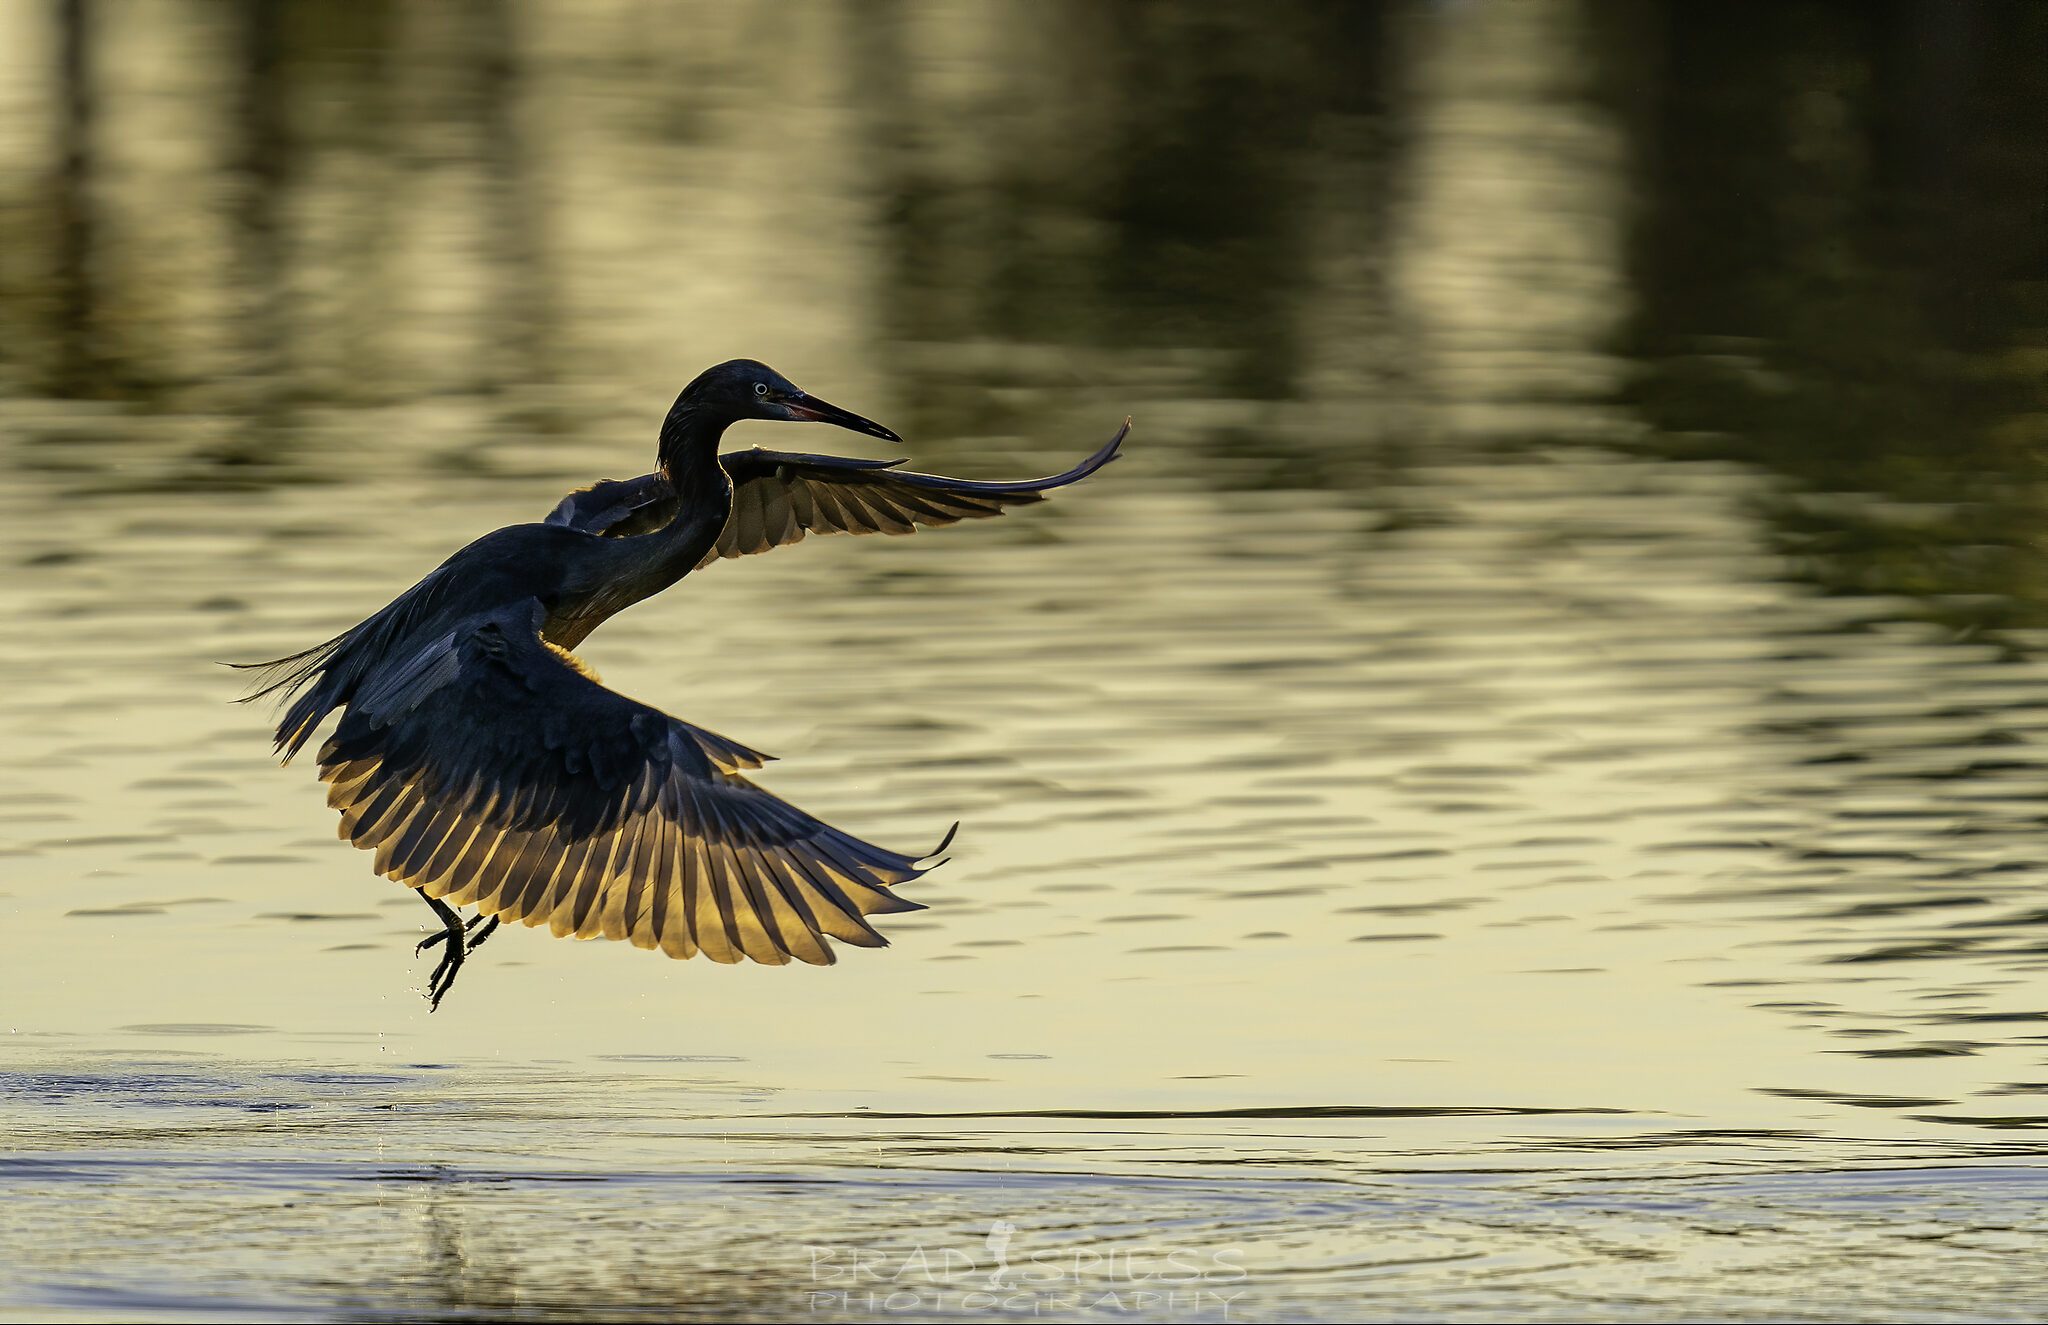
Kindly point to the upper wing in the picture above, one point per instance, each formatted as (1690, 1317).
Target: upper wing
(487, 768)
(778, 497)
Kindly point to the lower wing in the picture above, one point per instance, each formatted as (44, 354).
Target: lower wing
(488, 771)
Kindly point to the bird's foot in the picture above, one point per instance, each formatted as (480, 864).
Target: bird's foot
(451, 935)
(489, 923)
(460, 943)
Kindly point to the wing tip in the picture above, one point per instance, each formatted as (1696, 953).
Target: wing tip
(944, 842)
(1112, 449)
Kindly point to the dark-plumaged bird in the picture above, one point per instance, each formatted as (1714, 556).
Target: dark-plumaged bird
(486, 766)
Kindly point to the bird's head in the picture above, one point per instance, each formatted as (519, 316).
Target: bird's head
(749, 389)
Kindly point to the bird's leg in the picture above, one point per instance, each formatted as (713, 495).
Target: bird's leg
(477, 936)
(443, 978)
(433, 940)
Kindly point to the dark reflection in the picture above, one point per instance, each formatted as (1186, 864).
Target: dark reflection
(1841, 262)
(352, 122)
(1833, 268)
(78, 365)
(261, 169)
(521, 306)
(1146, 183)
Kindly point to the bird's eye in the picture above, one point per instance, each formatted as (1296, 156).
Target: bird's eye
(760, 388)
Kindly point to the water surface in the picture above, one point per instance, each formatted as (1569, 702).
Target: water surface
(1518, 796)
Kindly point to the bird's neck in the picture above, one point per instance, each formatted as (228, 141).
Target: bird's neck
(689, 453)
(619, 572)
(689, 461)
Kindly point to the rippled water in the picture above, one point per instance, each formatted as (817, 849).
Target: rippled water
(1520, 795)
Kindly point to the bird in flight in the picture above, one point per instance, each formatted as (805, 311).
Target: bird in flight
(487, 767)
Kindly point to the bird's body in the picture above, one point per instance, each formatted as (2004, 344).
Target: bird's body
(486, 766)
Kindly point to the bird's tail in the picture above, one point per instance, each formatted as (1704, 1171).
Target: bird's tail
(287, 679)
(324, 677)
(289, 673)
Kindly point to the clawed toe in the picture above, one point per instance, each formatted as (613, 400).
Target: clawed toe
(443, 978)
(477, 936)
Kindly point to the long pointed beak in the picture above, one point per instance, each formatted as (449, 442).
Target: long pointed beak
(810, 409)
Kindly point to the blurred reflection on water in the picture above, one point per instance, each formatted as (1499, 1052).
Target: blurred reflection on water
(1555, 687)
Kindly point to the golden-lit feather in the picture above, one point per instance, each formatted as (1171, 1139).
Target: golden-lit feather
(672, 849)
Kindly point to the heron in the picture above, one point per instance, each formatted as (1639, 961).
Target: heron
(487, 767)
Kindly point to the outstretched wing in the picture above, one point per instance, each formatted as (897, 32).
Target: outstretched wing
(487, 768)
(779, 497)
